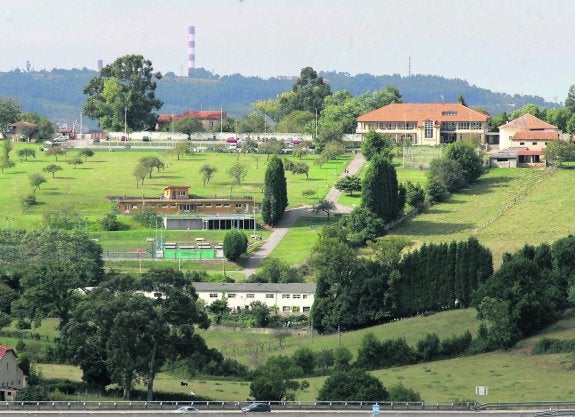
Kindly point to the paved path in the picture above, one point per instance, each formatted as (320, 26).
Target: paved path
(255, 260)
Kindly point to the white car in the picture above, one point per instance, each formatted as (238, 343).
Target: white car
(60, 139)
(186, 409)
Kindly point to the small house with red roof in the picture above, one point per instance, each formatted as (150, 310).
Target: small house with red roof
(522, 142)
(426, 123)
(12, 378)
(209, 119)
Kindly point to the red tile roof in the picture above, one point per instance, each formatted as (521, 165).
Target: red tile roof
(528, 121)
(536, 135)
(417, 112)
(200, 115)
(4, 349)
(529, 152)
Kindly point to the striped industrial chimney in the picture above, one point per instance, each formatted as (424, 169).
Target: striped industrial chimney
(191, 50)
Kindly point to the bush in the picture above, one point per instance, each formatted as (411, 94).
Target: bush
(400, 392)
(456, 345)
(428, 347)
(22, 324)
(235, 244)
(110, 222)
(28, 201)
(148, 218)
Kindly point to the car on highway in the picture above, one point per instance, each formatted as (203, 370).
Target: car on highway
(257, 408)
(186, 409)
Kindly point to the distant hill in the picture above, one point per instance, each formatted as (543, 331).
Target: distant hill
(58, 94)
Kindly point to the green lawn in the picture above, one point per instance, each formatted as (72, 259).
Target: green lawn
(513, 375)
(84, 189)
(504, 210)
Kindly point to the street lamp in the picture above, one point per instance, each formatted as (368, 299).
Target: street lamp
(126, 121)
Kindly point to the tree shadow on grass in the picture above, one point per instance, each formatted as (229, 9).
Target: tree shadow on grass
(487, 185)
(428, 228)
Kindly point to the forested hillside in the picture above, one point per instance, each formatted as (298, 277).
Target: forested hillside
(58, 94)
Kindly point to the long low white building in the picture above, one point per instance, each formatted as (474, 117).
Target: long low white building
(288, 298)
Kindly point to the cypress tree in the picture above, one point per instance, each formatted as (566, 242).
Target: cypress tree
(380, 191)
(275, 198)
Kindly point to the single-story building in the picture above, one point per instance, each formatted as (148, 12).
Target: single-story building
(12, 378)
(293, 298)
(426, 123)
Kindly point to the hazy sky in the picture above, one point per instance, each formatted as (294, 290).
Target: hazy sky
(512, 46)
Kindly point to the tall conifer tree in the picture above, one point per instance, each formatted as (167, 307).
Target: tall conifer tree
(275, 198)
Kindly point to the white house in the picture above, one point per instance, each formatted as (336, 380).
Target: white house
(12, 378)
(291, 298)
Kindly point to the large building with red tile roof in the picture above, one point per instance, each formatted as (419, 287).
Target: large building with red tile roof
(426, 123)
(208, 119)
(12, 378)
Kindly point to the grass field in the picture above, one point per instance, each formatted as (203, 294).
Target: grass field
(504, 210)
(84, 189)
(513, 375)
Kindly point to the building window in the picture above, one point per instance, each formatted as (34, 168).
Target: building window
(238, 205)
(389, 126)
(297, 296)
(231, 295)
(304, 296)
(522, 143)
(269, 296)
(284, 296)
(213, 295)
(134, 206)
(211, 126)
(534, 143)
(428, 129)
(306, 309)
(295, 309)
(182, 193)
(464, 125)
(227, 205)
(286, 308)
(249, 296)
(218, 204)
(208, 204)
(200, 204)
(476, 125)
(449, 113)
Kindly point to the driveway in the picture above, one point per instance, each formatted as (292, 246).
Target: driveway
(289, 218)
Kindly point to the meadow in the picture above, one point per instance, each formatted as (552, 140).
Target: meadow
(513, 375)
(83, 189)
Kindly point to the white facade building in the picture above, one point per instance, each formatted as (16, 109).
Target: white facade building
(12, 378)
(294, 298)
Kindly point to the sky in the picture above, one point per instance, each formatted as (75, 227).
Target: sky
(510, 46)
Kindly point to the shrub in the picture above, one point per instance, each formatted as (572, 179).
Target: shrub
(235, 244)
(400, 392)
(28, 201)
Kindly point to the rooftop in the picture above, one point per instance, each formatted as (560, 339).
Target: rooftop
(442, 112)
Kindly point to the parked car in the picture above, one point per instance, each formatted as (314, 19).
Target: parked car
(186, 409)
(231, 140)
(257, 408)
(60, 139)
(146, 139)
(123, 138)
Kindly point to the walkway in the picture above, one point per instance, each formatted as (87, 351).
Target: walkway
(291, 216)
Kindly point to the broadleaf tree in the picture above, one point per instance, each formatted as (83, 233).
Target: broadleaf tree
(124, 94)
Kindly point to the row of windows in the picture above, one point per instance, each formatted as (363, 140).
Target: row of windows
(252, 295)
(396, 126)
(296, 309)
(533, 143)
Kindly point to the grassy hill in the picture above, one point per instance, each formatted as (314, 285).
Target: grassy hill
(514, 375)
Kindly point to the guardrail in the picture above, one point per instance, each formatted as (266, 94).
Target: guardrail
(551, 408)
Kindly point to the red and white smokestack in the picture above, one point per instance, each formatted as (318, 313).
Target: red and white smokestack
(191, 50)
